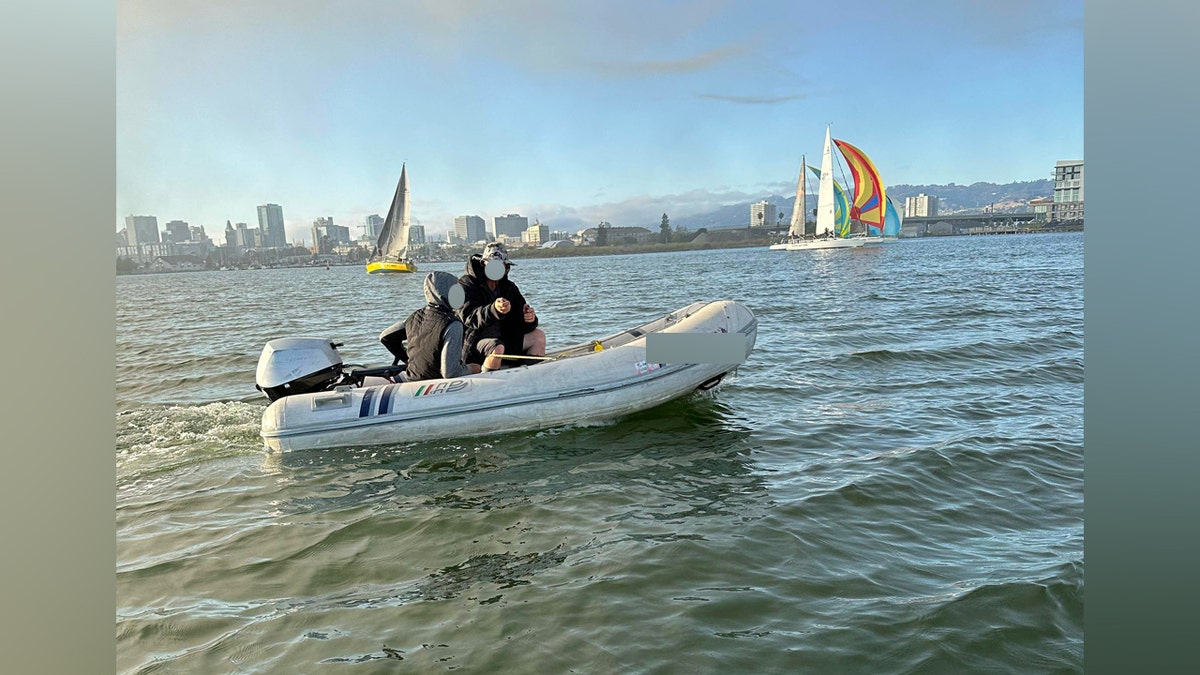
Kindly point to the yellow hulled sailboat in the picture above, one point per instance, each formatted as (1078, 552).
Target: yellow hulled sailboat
(391, 250)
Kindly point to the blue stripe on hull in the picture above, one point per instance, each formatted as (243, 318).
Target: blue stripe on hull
(385, 400)
(366, 403)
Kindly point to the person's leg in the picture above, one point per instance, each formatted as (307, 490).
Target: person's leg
(535, 343)
(491, 362)
(487, 348)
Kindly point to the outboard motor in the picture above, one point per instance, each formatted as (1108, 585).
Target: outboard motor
(298, 366)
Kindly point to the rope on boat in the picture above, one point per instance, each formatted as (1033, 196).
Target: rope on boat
(595, 347)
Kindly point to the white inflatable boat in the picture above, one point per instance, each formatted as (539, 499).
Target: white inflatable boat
(317, 402)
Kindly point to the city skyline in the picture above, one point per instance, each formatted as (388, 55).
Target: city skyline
(572, 114)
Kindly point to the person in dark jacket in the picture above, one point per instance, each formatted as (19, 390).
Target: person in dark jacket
(496, 316)
(434, 333)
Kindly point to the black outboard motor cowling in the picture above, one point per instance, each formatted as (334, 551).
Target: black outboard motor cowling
(298, 366)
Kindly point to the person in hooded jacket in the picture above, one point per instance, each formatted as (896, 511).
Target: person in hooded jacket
(497, 318)
(430, 340)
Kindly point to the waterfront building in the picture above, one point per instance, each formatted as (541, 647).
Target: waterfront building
(619, 235)
(1068, 190)
(1041, 208)
(510, 225)
(470, 229)
(142, 230)
(144, 254)
(921, 206)
(535, 234)
(177, 263)
(762, 214)
(270, 226)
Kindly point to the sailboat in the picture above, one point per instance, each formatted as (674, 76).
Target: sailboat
(831, 231)
(841, 206)
(391, 250)
(796, 228)
(892, 222)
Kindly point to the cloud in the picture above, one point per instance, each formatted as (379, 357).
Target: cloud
(753, 100)
(702, 61)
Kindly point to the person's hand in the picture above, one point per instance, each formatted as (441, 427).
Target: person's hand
(529, 313)
(502, 305)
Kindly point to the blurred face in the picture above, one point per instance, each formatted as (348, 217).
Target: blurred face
(456, 296)
(494, 269)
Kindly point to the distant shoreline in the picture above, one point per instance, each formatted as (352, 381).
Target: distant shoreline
(533, 253)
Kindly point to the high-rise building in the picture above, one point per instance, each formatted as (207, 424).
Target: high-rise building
(1068, 190)
(245, 236)
(470, 229)
(327, 235)
(270, 226)
(509, 225)
(198, 234)
(142, 230)
(416, 234)
(921, 206)
(374, 226)
(762, 214)
(177, 232)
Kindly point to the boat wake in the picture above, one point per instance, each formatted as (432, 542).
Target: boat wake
(158, 439)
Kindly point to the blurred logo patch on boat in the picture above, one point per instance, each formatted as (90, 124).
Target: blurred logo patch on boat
(720, 347)
(444, 387)
(643, 367)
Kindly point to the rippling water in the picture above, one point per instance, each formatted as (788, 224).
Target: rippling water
(892, 483)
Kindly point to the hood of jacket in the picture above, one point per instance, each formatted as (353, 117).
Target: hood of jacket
(437, 290)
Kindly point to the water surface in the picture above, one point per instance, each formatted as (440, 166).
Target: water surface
(892, 483)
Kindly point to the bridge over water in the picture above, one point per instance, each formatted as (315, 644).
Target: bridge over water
(976, 223)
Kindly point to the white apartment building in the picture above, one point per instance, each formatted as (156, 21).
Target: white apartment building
(921, 206)
(762, 214)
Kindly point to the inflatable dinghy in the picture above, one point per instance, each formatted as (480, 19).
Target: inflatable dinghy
(318, 402)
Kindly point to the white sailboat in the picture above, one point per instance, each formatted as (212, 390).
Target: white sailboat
(796, 228)
(826, 236)
(391, 250)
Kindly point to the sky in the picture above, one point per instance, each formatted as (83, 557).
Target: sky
(573, 113)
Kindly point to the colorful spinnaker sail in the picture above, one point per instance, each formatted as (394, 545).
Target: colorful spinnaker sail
(869, 194)
(892, 220)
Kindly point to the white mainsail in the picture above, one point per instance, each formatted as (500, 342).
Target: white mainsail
(825, 207)
(797, 227)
